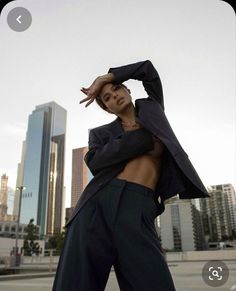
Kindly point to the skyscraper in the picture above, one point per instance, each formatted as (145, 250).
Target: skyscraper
(181, 227)
(3, 196)
(80, 177)
(19, 180)
(43, 173)
(217, 218)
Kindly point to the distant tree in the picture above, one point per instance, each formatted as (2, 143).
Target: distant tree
(233, 234)
(29, 245)
(224, 237)
(56, 241)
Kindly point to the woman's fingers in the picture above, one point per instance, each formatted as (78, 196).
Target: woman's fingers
(89, 102)
(90, 98)
(83, 100)
(91, 92)
(85, 92)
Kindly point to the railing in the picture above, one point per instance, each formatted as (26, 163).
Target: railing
(9, 261)
(33, 263)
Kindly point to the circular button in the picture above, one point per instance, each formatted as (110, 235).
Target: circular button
(215, 273)
(19, 19)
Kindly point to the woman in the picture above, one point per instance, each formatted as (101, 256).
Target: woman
(137, 172)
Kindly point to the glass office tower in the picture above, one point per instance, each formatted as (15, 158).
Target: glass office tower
(43, 174)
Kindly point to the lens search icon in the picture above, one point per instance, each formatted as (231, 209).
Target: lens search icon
(215, 273)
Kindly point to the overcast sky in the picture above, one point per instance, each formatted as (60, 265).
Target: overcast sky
(190, 43)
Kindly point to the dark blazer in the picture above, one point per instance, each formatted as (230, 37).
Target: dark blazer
(110, 147)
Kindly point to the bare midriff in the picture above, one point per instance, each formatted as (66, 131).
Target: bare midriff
(145, 169)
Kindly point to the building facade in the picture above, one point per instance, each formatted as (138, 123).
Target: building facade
(181, 228)
(216, 214)
(43, 171)
(3, 196)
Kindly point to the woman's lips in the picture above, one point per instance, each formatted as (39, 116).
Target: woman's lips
(120, 101)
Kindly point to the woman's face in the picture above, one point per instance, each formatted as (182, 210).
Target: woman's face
(115, 97)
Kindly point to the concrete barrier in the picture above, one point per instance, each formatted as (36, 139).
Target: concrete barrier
(187, 256)
(221, 255)
(26, 276)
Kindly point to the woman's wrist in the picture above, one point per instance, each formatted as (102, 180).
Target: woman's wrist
(107, 78)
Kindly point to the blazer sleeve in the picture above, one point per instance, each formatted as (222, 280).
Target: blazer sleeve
(143, 71)
(128, 145)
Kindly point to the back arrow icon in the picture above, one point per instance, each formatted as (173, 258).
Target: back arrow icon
(18, 19)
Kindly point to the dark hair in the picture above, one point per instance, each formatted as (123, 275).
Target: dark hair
(99, 99)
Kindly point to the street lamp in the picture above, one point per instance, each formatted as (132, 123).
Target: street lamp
(21, 188)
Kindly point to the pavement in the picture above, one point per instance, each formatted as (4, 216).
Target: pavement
(186, 276)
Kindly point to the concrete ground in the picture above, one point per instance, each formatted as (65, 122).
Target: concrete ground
(186, 276)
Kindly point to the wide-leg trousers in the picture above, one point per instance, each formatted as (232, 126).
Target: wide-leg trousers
(115, 227)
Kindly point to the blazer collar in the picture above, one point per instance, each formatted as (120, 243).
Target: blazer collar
(116, 125)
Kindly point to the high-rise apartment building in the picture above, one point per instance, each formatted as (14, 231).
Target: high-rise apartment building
(181, 228)
(231, 196)
(216, 214)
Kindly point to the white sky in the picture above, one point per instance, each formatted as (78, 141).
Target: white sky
(191, 44)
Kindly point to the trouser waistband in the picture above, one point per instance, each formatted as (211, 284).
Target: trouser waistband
(116, 182)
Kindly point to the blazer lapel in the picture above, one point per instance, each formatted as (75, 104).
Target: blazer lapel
(116, 126)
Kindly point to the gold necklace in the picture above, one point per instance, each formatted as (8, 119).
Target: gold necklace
(129, 125)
